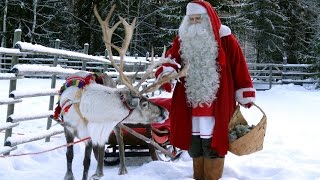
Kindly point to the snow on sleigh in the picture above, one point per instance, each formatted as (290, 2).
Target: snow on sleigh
(144, 140)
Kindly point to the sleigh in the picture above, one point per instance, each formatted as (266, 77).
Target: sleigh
(153, 140)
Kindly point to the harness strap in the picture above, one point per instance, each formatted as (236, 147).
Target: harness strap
(127, 106)
(77, 105)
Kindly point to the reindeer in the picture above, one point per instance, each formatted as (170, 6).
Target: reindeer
(94, 110)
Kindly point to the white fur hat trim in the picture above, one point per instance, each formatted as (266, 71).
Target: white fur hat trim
(195, 8)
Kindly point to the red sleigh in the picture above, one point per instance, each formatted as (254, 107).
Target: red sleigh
(135, 147)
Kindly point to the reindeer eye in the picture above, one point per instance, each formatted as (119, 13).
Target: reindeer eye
(144, 104)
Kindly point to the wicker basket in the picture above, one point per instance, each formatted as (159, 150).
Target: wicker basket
(253, 140)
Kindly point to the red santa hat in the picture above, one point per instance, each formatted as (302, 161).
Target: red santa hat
(194, 8)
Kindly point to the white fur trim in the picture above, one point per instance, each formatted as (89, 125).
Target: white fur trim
(224, 31)
(203, 126)
(166, 70)
(244, 100)
(194, 8)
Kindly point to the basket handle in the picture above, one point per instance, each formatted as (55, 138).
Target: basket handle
(264, 114)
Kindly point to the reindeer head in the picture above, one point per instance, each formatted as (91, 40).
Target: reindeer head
(132, 95)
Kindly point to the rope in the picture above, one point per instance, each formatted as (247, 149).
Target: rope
(41, 152)
(127, 106)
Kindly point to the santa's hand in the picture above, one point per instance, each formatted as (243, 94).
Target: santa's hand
(169, 60)
(164, 71)
(246, 96)
(248, 105)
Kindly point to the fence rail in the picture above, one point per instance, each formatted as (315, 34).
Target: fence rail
(16, 63)
(25, 60)
(272, 74)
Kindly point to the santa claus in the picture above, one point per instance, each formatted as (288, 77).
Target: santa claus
(205, 99)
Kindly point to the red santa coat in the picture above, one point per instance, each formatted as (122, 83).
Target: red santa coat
(234, 76)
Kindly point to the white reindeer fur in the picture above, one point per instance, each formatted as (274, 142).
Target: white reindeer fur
(102, 107)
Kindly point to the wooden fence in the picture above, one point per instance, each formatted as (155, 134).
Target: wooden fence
(274, 74)
(50, 69)
(54, 62)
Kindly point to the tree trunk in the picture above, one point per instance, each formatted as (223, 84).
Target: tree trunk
(35, 4)
(4, 25)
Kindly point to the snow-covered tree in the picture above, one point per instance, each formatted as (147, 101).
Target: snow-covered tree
(264, 28)
(4, 9)
(230, 15)
(302, 29)
(168, 20)
(38, 20)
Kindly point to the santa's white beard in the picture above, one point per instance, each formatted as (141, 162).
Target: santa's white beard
(199, 47)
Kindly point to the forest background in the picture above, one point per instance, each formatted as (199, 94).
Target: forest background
(270, 31)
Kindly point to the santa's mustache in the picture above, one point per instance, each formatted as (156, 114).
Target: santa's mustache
(196, 30)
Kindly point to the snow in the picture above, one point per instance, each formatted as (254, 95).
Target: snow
(7, 76)
(291, 148)
(29, 116)
(35, 68)
(7, 125)
(20, 93)
(9, 101)
(15, 140)
(10, 51)
(35, 48)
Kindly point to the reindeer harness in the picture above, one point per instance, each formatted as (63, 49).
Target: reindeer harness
(79, 82)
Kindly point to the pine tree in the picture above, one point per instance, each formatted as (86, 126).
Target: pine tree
(230, 13)
(168, 20)
(299, 31)
(265, 29)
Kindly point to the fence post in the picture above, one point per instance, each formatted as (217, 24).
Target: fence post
(270, 76)
(86, 51)
(318, 76)
(13, 83)
(53, 85)
(284, 69)
(147, 56)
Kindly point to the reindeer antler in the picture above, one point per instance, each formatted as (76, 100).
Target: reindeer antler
(129, 28)
(168, 78)
(151, 67)
(107, 36)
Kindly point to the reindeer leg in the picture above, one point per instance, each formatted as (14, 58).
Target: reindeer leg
(98, 151)
(86, 160)
(69, 155)
(119, 137)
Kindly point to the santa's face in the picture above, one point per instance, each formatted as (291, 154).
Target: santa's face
(194, 26)
(195, 18)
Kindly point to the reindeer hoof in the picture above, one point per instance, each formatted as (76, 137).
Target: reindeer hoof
(69, 176)
(122, 171)
(96, 177)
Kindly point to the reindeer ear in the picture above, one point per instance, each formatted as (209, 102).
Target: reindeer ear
(108, 81)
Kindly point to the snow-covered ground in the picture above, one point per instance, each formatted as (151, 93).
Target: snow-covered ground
(291, 148)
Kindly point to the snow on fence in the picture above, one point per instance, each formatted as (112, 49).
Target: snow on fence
(261, 73)
(53, 70)
(16, 95)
